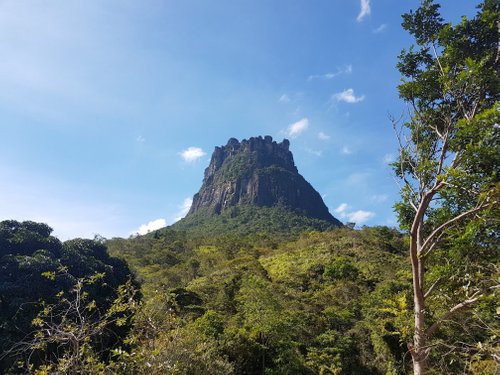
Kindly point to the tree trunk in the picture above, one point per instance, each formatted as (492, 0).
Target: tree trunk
(419, 367)
(418, 350)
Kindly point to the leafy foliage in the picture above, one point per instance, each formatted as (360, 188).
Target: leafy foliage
(278, 221)
(259, 305)
(448, 166)
(38, 271)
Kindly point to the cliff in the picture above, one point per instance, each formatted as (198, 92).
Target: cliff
(257, 172)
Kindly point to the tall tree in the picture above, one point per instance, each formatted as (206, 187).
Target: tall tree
(448, 162)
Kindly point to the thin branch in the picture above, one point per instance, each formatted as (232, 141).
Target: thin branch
(437, 59)
(453, 220)
(434, 243)
(474, 298)
(429, 291)
(470, 191)
(402, 147)
(442, 156)
(497, 57)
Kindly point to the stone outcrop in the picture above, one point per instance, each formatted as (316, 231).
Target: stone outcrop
(260, 172)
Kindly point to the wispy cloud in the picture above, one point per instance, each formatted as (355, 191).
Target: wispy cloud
(379, 198)
(389, 158)
(284, 98)
(347, 96)
(358, 217)
(297, 128)
(151, 226)
(342, 208)
(184, 208)
(380, 28)
(358, 178)
(364, 11)
(346, 150)
(323, 136)
(345, 70)
(314, 152)
(140, 139)
(191, 154)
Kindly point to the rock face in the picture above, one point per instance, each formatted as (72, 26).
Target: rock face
(259, 172)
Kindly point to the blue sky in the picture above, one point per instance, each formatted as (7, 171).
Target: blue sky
(110, 110)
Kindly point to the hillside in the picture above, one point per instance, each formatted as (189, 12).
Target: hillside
(248, 219)
(254, 305)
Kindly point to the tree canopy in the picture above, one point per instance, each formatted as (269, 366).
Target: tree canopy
(448, 166)
(36, 270)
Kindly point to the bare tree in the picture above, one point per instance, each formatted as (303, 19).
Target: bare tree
(67, 333)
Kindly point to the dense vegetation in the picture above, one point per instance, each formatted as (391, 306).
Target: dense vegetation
(334, 302)
(40, 280)
(324, 303)
(277, 221)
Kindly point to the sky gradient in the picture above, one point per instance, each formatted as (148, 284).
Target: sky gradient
(110, 110)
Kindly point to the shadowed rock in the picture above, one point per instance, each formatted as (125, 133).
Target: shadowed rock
(259, 172)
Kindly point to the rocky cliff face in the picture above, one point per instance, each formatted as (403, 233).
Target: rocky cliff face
(260, 172)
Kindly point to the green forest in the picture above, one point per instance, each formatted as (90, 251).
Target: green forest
(265, 290)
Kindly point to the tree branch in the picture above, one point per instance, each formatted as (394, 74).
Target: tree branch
(402, 160)
(448, 223)
(432, 329)
(429, 291)
(436, 56)
(442, 156)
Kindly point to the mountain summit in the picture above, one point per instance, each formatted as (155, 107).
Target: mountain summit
(257, 172)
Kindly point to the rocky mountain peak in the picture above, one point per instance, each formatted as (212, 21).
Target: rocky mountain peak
(257, 171)
(259, 153)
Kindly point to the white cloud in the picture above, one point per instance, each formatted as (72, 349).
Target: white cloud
(345, 70)
(347, 96)
(184, 208)
(151, 226)
(364, 11)
(346, 150)
(380, 28)
(284, 98)
(358, 217)
(295, 129)
(323, 136)
(191, 154)
(340, 209)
